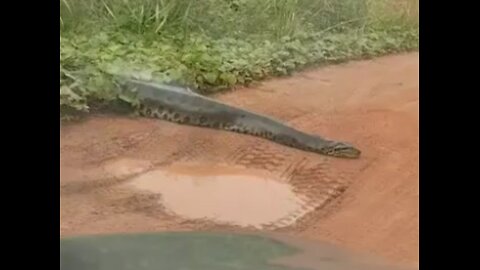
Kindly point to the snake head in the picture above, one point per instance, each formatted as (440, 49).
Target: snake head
(341, 149)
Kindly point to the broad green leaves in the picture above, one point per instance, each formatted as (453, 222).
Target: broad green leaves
(89, 66)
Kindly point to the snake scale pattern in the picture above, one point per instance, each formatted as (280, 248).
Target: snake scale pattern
(183, 106)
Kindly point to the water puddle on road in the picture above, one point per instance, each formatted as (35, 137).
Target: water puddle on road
(223, 194)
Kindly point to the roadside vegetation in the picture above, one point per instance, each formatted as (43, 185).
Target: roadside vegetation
(214, 45)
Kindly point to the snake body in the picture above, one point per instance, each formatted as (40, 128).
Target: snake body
(183, 106)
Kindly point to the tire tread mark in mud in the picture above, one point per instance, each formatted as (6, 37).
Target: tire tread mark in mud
(146, 203)
(317, 187)
(291, 169)
(102, 151)
(259, 156)
(193, 149)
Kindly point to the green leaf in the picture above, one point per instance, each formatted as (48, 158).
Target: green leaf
(229, 78)
(210, 77)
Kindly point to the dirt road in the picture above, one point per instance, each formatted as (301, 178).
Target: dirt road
(369, 204)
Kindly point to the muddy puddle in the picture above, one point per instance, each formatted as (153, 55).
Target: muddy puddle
(223, 194)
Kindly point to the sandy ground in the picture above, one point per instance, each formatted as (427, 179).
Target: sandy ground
(369, 204)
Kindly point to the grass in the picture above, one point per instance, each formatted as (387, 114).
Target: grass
(217, 44)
